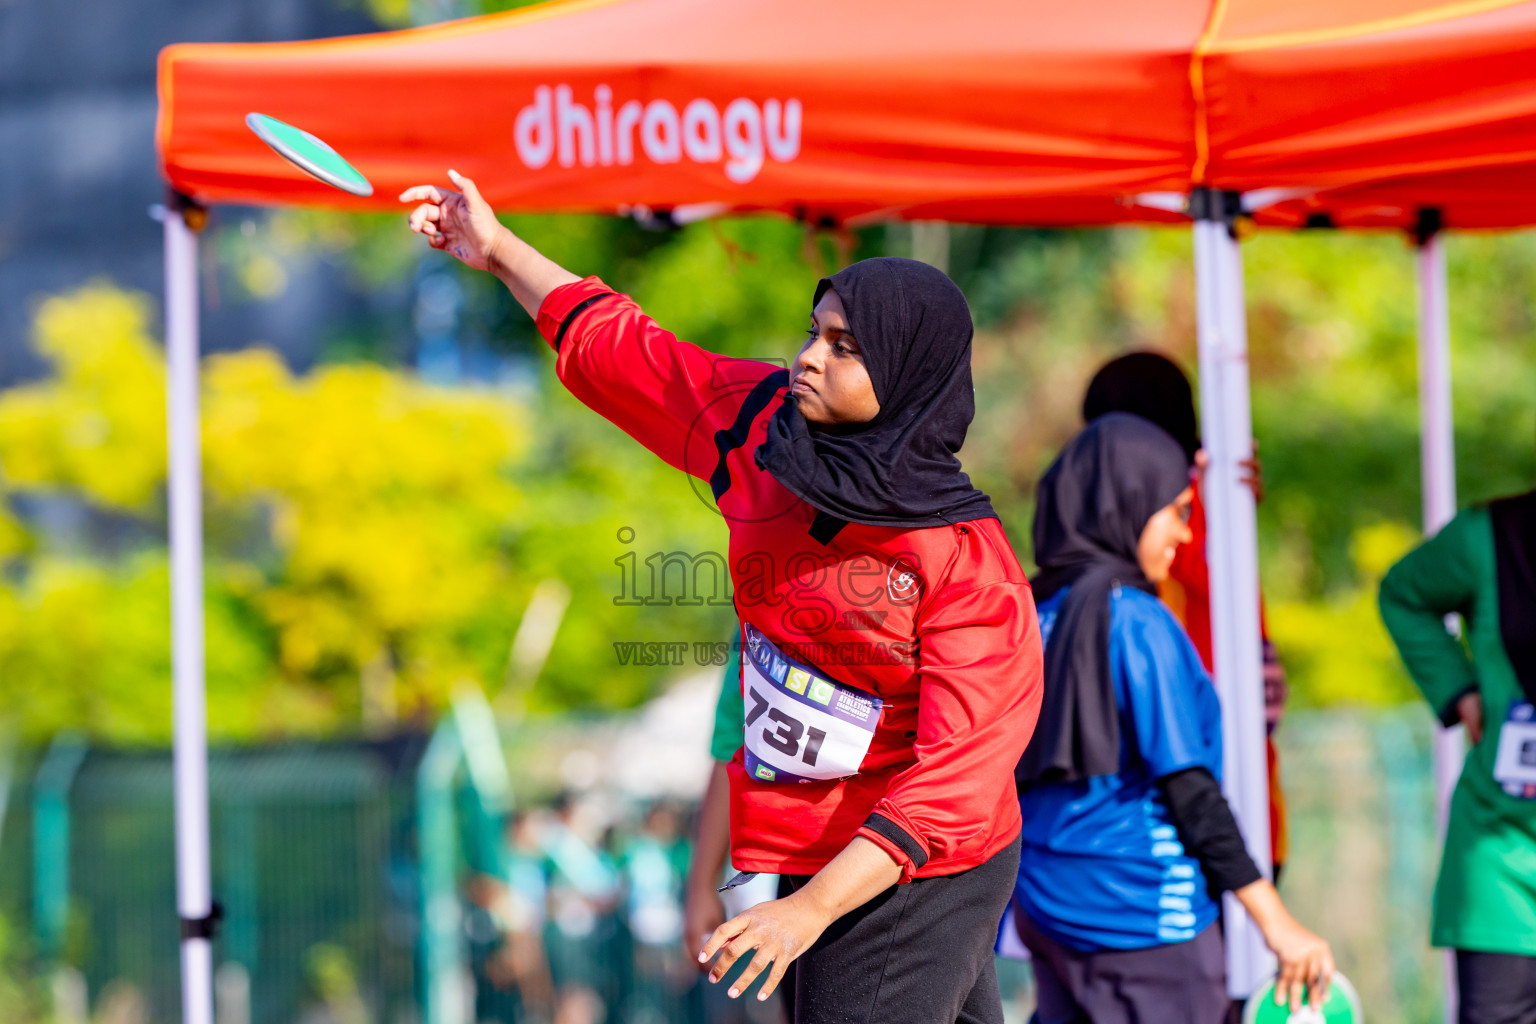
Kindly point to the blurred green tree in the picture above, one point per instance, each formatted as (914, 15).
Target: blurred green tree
(372, 539)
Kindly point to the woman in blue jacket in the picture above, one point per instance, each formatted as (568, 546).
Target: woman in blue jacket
(1128, 842)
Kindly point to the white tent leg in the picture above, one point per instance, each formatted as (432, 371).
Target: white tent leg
(193, 886)
(1437, 463)
(1232, 551)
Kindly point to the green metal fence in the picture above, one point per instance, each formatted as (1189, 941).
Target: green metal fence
(312, 854)
(336, 909)
(1364, 852)
(318, 866)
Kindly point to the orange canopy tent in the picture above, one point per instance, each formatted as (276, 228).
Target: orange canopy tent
(1370, 113)
(993, 111)
(839, 109)
(1431, 104)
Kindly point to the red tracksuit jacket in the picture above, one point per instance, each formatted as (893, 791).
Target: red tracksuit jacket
(938, 622)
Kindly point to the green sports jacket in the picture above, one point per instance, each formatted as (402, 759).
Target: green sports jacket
(1485, 898)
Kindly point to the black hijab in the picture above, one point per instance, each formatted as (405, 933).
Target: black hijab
(1148, 385)
(1090, 509)
(899, 469)
(1514, 559)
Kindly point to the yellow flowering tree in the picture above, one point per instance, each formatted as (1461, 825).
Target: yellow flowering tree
(372, 540)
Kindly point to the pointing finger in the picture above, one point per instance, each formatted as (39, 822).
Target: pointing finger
(741, 945)
(417, 193)
(423, 214)
(720, 936)
(760, 959)
(780, 965)
(1325, 979)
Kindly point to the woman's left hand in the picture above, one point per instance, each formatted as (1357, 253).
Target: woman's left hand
(1251, 468)
(775, 932)
(1253, 474)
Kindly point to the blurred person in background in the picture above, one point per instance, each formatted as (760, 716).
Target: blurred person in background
(518, 969)
(1128, 841)
(703, 908)
(1152, 386)
(1481, 566)
(889, 629)
(583, 895)
(653, 865)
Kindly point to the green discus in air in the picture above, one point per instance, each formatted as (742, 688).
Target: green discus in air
(309, 154)
(1341, 1007)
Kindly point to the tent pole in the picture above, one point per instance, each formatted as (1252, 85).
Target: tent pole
(194, 900)
(1437, 468)
(1232, 551)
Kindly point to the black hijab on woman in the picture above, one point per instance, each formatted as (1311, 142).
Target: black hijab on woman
(1090, 509)
(899, 469)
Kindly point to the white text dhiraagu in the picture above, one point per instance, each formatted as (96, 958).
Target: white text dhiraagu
(742, 136)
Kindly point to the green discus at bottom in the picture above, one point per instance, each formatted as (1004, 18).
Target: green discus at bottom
(309, 154)
(1341, 1007)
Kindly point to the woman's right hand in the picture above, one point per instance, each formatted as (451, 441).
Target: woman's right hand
(772, 935)
(1470, 710)
(461, 223)
(1306, 962)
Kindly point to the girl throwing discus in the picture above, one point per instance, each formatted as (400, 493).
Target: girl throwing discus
(891, 667)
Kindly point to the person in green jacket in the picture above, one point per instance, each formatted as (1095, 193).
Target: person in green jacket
(1482, 565)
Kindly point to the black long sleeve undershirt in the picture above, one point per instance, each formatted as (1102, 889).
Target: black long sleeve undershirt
(1208, 830)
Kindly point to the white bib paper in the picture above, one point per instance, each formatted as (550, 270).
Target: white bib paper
(1514, 764)
(800, 725)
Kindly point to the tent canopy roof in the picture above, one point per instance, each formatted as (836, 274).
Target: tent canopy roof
(997, 111)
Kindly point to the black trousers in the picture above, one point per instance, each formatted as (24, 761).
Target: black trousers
(1496, 988)
(919, 953)
(1178, 983)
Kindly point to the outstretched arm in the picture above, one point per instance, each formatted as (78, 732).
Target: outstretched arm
(669, 395)
(464, 225)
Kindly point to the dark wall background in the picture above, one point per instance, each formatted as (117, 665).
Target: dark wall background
(78, 170)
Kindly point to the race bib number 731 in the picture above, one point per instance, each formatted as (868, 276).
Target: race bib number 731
(801, 726)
